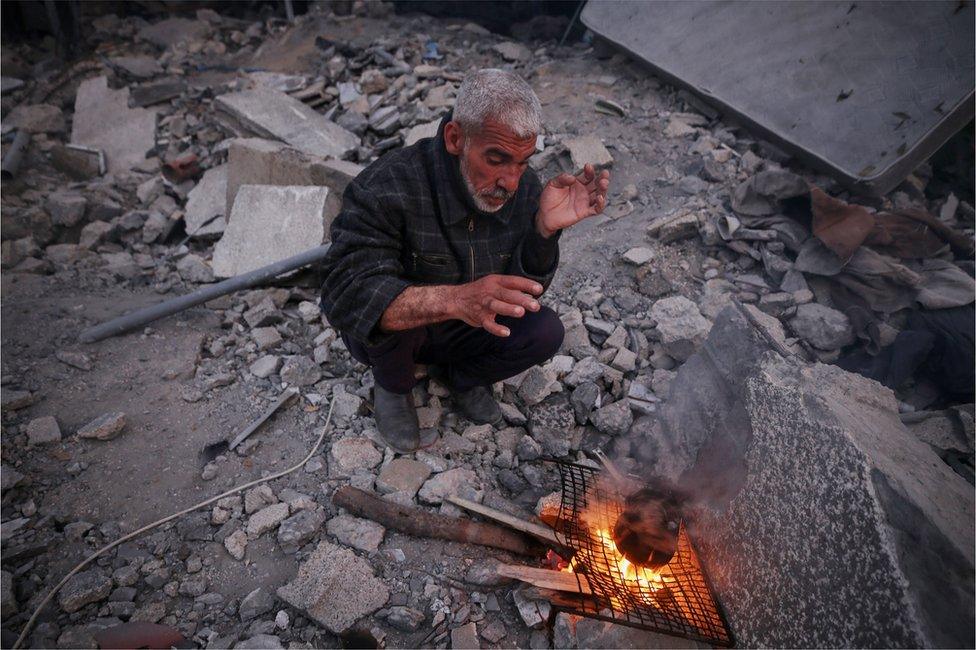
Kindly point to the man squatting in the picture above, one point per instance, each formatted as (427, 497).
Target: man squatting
(441, 250)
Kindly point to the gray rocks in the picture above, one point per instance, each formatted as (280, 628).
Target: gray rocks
(193, 268)
(43, 430)
(359, 533)
(14, 400)
(236, 544)
(105, 427)
(638, 256)
(266, 519)
(84, 588)
(613, 419)
(584, 398)
(402, 475)
(588, 149)
(265, 337)
(465, 636)
(821, 326)
(265, 366)
(255, 604)
(536, 385)
(299, 370)
(405, 619)
(449, 483)
(206, 203)
(66, 208)
(335, 588)
(295, 531)
(351, 454)
(551, 424)
(681, 325)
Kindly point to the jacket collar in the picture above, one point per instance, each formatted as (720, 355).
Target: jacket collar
(455, 201)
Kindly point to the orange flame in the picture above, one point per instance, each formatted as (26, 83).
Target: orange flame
(643, 582)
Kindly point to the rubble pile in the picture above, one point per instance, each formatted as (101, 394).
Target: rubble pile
(192, 149)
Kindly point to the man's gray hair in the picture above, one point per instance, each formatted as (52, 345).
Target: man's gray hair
(500, 96)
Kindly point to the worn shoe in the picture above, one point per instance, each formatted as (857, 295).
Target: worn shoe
(478, 405)
(396, 421)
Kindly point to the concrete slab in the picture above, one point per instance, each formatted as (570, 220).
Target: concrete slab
(103, 120)
(269, 224)
(205, 201)
(335, 588)
(256, 161)
(271, 114)
(863, 91)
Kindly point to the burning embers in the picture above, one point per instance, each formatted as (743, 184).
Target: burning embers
(632, 559)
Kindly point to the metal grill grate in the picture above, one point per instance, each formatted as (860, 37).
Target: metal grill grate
(675, 599)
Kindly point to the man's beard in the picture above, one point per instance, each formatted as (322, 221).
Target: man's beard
(479, 197)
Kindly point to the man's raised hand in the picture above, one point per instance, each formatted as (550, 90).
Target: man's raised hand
(568, 199)
(477, 303)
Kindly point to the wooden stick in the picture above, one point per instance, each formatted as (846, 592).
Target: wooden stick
(536, 530)
(420, 523)
(546, 578)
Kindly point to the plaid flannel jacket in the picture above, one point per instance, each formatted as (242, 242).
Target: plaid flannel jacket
(408, 220)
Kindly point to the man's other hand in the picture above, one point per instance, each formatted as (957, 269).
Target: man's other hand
(477, 303)
(569, 199)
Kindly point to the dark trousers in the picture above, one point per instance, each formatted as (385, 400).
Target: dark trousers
(469, 355)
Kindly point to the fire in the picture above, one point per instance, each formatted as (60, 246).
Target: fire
(643, 582)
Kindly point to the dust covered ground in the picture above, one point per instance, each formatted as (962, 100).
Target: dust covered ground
(188, 381)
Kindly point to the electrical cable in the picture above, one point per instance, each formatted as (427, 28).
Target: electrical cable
(135, 533)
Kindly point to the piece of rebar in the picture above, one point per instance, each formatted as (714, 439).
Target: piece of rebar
(11, 162)
(141, 317)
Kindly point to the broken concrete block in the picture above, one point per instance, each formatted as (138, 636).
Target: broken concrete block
(402, 475)
(271, 114)
(361, 534)
(142, 67)
(682, 327)
(255, 161)
(66, 208)
(824, 328)
(421, 131)
(103, 120)
(266, 519)
(204, 202)
(465, 636)
(104, 427)
(638, 256)
(335, 588)
(588, 149)
(821, 497)
(193, 268)
(269, 224)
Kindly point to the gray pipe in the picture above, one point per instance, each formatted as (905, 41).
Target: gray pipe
(141, 317)
(11, 162)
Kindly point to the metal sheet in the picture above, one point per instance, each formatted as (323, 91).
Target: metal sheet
(864, 91)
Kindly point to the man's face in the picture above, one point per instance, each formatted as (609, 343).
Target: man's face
(492, 162)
